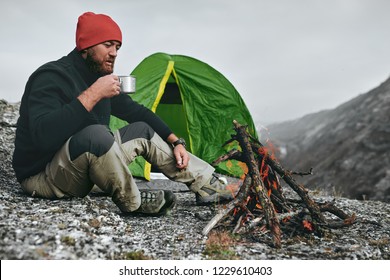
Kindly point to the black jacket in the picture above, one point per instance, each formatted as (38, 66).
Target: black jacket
(50, 112)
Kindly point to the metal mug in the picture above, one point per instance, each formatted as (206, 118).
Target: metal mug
(127, 84)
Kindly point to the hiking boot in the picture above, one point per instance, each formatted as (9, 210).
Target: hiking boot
(156, 203)
(215, 191)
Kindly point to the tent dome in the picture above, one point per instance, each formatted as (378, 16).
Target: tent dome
(197, 102)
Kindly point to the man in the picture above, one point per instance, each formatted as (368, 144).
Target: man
(63, 145)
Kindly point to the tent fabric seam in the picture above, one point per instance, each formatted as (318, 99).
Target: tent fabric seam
(148, 166)
(162, 85)
(184, 109)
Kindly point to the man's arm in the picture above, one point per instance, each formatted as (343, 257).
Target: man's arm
(105, 87)
(50, 107)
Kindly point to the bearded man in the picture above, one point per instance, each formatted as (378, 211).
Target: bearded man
(64, 146)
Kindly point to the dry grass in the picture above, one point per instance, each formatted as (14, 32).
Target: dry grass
(136, 255)
(219, 246)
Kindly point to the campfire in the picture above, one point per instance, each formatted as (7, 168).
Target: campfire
(261, 205)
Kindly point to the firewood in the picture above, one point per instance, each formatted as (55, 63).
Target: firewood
(242, 193)
(260, 204)
(264, 200)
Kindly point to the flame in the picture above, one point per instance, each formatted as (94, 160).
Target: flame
(264, 170)
(272, 148)
(268, 151)
(275, 185)
(307, 225)
(269, 182)
(262, 151)
(267, 175)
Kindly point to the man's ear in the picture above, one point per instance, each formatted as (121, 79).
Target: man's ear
(84, 53)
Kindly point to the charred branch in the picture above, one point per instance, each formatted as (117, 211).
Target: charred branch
(310, 172)
(232, 154)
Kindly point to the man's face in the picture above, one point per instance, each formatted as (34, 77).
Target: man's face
(101, 58)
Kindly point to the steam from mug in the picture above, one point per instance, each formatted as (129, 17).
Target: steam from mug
(127, 84)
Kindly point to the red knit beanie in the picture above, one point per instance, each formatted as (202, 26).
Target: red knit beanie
(93, 29)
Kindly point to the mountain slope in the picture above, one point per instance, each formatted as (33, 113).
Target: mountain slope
(348, 147)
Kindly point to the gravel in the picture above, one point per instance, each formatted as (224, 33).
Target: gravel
(93, 228)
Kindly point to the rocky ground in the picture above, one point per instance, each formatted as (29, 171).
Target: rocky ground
(93, 228)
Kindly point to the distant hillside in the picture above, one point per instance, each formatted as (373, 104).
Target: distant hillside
(348, 147)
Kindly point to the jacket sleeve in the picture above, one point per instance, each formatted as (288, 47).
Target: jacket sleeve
(127, 109)
(54, 111)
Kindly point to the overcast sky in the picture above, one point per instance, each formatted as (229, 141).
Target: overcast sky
(287, 58)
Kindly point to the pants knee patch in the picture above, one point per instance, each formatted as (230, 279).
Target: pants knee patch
(136, 130)
(95, 139)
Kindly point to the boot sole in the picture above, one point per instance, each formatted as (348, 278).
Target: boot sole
(170, 203)
(170, 199)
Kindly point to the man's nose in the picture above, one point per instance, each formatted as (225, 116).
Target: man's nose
(113, 52)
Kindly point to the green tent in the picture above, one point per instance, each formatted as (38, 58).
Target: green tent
(197, 102)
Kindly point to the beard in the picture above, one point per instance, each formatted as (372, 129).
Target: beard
(96, 66)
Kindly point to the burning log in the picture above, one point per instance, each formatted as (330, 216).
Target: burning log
(260, 203)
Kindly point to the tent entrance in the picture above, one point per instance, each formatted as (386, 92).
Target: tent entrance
(170, 110)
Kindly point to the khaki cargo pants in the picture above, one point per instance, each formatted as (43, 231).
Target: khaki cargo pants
(104, 164)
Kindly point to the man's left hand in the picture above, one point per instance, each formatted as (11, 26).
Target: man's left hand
(181, 156)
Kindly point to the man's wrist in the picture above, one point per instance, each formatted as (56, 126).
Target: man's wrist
(179, 141)
(86, 98)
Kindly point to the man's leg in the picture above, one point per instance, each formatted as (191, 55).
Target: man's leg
(39, 185)
(94, 158)
(139, 139)
(91, 157)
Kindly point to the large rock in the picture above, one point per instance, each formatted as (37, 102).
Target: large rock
(9, 114)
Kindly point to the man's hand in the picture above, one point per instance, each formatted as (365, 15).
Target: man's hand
(181, 156)
(105, 87)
